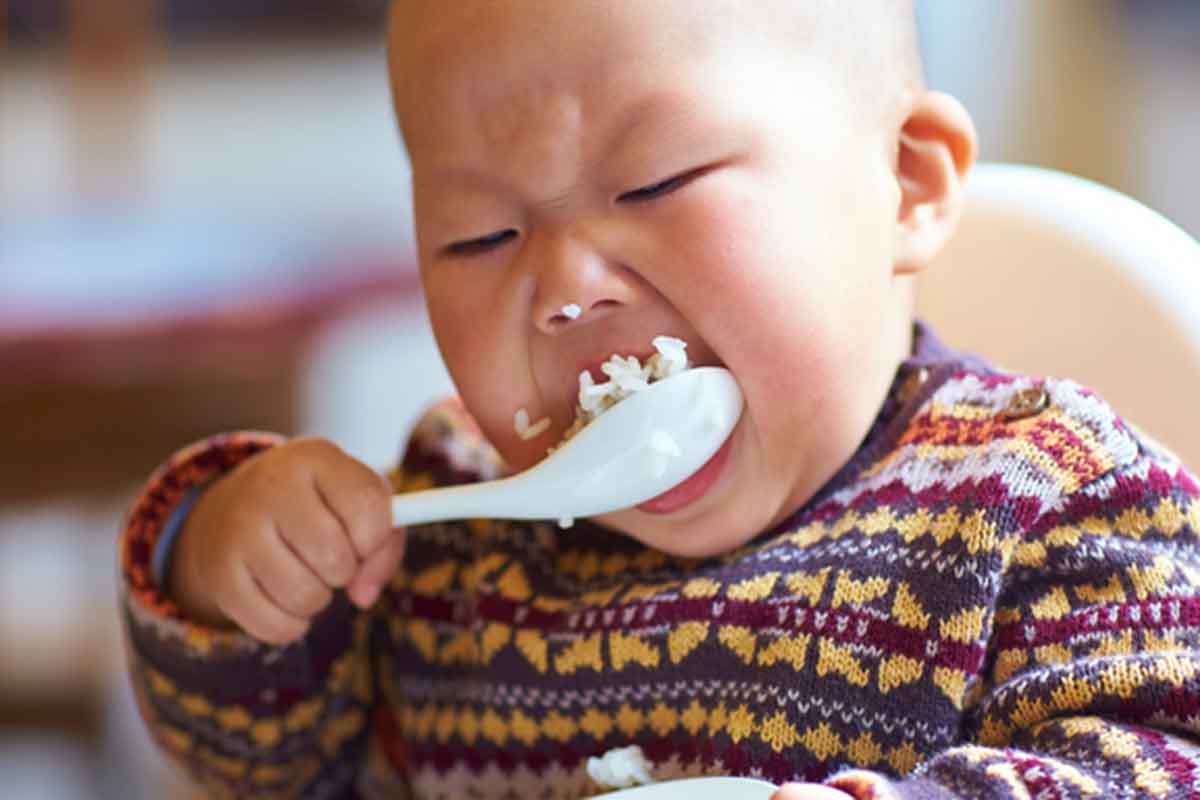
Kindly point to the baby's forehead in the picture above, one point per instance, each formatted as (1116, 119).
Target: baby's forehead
(437, 36)
(476, 58)
(432, 41)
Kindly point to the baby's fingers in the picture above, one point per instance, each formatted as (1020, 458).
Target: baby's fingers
(376, 570)
(359, 499)
(286, 578)
(256, 614)
(317, 539)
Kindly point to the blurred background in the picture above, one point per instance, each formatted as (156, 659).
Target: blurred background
(204, 225)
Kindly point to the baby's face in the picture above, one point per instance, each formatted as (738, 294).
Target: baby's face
(668, 177)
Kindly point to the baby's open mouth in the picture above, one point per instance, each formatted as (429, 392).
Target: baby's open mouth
(626, 376)
(681, 433)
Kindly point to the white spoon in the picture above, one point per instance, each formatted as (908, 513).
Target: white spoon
(641, 447)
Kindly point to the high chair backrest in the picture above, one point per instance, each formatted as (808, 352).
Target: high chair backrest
(1052, 274)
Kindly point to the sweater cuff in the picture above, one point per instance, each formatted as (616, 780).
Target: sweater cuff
(163, 500)
(171, 655)
(213, 696)
(164, 548)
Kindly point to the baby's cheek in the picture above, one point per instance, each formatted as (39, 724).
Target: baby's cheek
(493, 405)
(737, 256)
(482, 349)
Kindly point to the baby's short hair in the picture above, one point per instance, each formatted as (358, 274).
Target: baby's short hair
(875, 45)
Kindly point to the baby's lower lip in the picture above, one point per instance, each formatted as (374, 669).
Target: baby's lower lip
(693, 488)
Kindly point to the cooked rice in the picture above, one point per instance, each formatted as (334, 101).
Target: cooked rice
(527, 431)
(625, 377)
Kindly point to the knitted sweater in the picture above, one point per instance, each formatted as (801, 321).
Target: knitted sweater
(996, 597)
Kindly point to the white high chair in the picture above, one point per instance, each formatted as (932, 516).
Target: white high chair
(1052, 274)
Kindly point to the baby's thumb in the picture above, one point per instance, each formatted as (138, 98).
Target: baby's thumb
(376, 570)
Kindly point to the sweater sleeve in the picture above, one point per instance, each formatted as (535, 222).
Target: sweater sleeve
(242, 717)
(1092, 683)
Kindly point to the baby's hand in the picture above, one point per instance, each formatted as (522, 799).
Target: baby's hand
(266, 545)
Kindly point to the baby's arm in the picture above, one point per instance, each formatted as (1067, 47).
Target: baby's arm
(1092, 682)
(276, 531)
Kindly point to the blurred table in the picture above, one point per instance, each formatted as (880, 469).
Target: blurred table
(171, 246)
(123, 339)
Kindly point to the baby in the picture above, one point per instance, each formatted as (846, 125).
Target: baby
(905, 574)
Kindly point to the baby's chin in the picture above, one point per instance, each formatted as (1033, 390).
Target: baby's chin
(702, 534)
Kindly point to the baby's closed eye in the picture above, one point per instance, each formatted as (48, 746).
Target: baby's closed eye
(483, 244)
(658, 189)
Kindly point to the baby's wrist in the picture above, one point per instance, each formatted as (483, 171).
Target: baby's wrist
(186, 589)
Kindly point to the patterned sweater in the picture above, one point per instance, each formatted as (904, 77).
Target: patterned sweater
(997, 597)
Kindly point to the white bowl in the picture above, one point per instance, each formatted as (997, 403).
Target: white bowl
(697, 789)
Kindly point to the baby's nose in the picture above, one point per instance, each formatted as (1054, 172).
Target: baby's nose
(576, 286)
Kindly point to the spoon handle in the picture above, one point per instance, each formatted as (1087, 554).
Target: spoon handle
(506, 498)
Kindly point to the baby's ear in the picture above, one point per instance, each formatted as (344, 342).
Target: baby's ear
(937, 148)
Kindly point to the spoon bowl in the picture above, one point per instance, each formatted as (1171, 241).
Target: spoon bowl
(638, 449)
